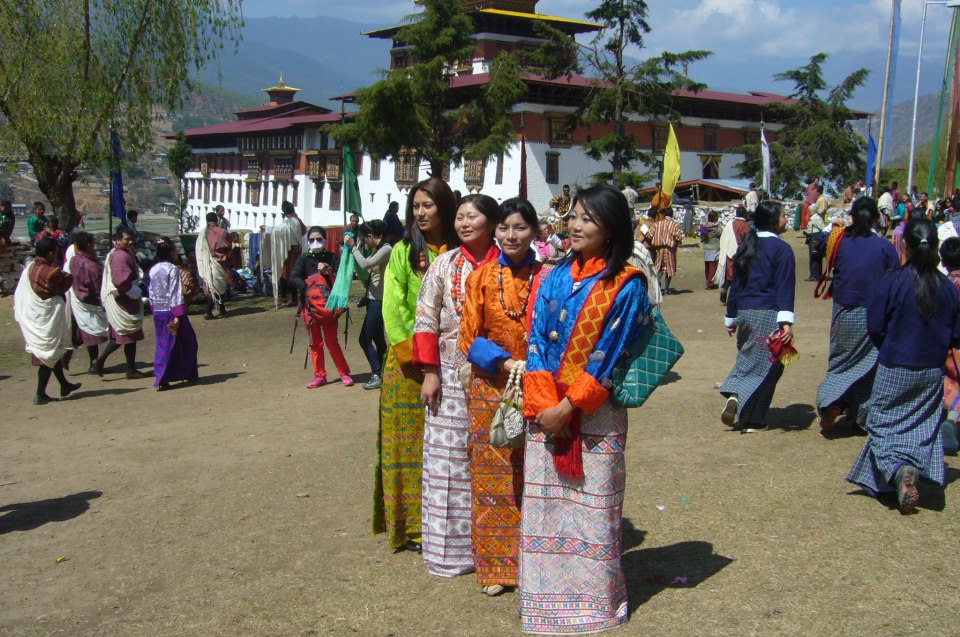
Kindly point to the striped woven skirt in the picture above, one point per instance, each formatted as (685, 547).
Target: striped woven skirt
(175, 357)
(571, 580)
(852, 365)
(906, 409)
(497, 476)
(447, 539)
(396, 492)
(753, 379)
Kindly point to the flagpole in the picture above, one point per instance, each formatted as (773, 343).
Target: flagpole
(886, 94)
(916, 99)
(113, 160)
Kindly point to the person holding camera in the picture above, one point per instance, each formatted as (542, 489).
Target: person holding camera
(372, 340)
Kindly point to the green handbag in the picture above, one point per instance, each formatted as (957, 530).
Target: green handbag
(644, 364)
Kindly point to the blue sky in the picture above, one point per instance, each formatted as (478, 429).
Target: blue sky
(751, 39)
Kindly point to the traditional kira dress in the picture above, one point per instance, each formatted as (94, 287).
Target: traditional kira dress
(571, 580)
(175, 357)
(447, 543)
(396, 492)
(489, 336)
(853, 357)
(906, 407)
(757, 308)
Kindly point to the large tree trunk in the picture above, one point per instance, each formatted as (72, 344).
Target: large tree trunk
(55, 179)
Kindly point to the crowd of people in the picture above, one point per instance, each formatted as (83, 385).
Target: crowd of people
(479, 316)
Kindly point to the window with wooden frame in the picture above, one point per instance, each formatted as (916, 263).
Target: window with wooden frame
(473, 170)
(296, 191)
(318, 195)
(407, 172)
(561, 134)
(553, 168)
(358, 161)
(710, 137)
(334, 196)
(660, 134)
(374, 169)
(751, 137)
(283, 168)
(499, 177)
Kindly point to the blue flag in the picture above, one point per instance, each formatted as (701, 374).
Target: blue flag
(118, 205)
(871, 160)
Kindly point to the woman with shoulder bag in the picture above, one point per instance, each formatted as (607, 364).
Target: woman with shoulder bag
(372, 340)
(493, 336)
(590, 308)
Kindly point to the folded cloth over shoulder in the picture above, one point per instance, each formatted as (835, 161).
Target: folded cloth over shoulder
(45, 323)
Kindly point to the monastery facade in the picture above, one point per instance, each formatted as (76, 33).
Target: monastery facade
(279, 151)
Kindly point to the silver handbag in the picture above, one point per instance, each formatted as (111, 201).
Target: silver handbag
(508, 429)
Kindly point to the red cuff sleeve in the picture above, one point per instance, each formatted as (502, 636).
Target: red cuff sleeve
(586, 393)
(539, 393)
(180, 310)
(426, 349)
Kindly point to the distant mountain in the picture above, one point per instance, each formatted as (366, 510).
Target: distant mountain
(900, 123)
(211, 105)
(322, 56)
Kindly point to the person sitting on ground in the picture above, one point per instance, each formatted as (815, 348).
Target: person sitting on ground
(36, 222)
(40, 307)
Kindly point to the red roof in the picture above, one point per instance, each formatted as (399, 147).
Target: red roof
(263, 124)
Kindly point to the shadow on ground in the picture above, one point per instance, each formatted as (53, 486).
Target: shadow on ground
(30, 515)
(103, 392)
(680, 565)
(213, 379)
(795, 417)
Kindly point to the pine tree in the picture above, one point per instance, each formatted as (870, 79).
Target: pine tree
(817, 138)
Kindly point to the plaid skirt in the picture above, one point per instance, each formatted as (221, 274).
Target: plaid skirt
(906, 409)
(754, 377)
(852, 365)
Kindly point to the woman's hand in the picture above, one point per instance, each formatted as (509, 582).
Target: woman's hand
(509, 364)
(787, 334)
(554, 420)
(431, 393)
(173, 326)
(348, 241)
(731, 330)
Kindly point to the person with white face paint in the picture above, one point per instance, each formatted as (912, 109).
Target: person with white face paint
(318, 260)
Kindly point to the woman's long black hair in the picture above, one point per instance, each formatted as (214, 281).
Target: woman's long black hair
(921, 236)
(865, 216)
(609, 209)
(766, 217)
(446, 202)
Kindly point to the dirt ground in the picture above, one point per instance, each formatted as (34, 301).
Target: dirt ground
(242, 506)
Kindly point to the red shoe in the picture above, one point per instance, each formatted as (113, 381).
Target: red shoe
(829, 419)
(347, 381)
(318, 381)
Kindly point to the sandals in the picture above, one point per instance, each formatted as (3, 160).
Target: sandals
(829, 418)
(492, 590)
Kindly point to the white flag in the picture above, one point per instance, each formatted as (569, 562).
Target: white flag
(765, 151)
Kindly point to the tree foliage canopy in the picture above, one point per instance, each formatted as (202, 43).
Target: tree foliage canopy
(71, 67)
(624, 88)
(179, 161)
(415, 108)
(817, 138)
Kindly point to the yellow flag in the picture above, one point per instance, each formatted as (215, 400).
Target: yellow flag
(671, 164)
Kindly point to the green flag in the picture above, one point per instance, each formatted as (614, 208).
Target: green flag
(351, 189)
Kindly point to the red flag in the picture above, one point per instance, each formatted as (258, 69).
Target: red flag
(523, 166)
